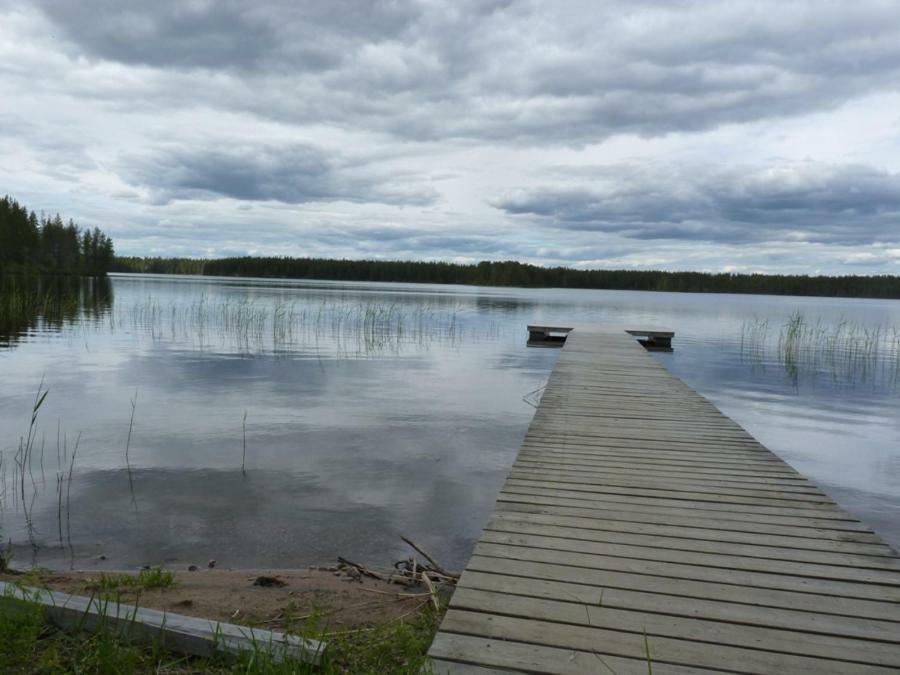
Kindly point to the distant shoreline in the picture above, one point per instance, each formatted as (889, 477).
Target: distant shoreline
(516, 274)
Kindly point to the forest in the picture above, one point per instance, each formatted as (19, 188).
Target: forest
(30, 244)
(35, 244)
(511, 273)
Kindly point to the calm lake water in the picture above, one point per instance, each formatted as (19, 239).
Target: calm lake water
(362, 412)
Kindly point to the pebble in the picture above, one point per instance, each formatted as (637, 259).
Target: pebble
(192, 568)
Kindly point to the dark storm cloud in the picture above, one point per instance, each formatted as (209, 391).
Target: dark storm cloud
(293, 174)
(570, 72)
(226, 34)
(799, 202)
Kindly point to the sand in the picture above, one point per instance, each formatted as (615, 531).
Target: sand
(344, 602)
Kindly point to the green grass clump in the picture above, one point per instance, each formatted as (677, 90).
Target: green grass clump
(398, 647)
(153, 578)
(28, 645)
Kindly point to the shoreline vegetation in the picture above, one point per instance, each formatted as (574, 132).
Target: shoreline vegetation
(40, 245)
(367, 624)
(512, 273)
(32, 244)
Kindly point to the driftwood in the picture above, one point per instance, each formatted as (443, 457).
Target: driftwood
(409, 572)
(434, 564)
(362, 569)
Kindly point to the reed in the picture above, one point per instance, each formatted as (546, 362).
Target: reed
(274, 326)
(39, 303)
(128, 449)
(69, 495)
(244, 454)
(844, 352)
(23, 461)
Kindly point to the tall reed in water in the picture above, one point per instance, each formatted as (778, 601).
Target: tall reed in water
(847, 352)
(244, 455)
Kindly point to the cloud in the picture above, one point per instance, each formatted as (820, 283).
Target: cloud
(227, 34)
(292, 174)
(571, 72)
(803, 202)
(590, 133)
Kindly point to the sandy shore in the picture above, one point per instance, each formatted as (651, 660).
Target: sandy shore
(343, 601)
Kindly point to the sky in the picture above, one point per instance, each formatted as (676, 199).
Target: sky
(746, 136)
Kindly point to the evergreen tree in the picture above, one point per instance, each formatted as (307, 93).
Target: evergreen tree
(46, 245)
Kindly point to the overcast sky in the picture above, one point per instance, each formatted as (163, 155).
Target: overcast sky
(757, 135)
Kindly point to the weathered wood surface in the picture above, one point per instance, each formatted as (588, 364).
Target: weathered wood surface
(639, 523)
(186, 634)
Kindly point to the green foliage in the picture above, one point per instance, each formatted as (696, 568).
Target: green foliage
(5, 554)
(153, 578)
(397, 647)
(511, 273)
(29, 646)
(29, 244)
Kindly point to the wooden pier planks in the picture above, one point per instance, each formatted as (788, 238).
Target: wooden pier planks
(639, 524)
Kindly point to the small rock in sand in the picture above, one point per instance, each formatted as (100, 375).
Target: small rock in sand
(268, 582)
(211, 564)
(192, 568)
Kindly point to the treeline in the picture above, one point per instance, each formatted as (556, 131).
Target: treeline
(43, 245)
(512, 273)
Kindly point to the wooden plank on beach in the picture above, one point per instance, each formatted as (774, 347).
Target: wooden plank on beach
(185, 634)
(642, 528)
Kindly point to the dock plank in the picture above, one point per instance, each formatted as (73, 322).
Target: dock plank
(638, 518)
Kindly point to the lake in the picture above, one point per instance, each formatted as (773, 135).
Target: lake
(273, 423)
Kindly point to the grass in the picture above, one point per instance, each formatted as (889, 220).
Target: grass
(845, 352)
(258, 325)
(155, 577)
(28, 645)
(250, 325)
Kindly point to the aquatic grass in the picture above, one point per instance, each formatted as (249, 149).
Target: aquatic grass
(848, 353)
(244, 448)
(250, 325)
(23, 459)
(49, 303)
(262, 325)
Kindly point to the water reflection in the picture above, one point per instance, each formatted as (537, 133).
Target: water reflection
(35, 304)
(373, 410)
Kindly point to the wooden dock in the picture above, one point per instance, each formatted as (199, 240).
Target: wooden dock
(640, 530)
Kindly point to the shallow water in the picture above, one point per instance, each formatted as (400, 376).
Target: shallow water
(374, 411)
